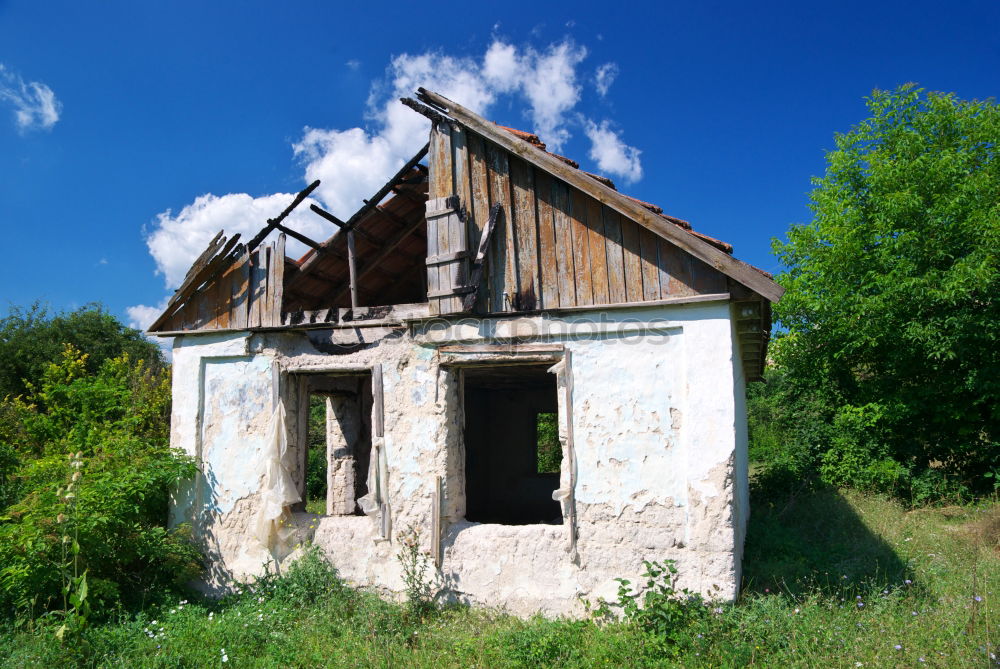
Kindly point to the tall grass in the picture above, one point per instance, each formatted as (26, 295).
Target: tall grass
(832, 579)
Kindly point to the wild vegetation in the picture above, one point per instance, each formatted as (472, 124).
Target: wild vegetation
(833, 579)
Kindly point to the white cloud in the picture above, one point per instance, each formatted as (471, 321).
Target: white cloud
(353, 64)
(177, 240)
(604, 77)
(35, 105)
(141, 316)
(611, 153)
(353, 163)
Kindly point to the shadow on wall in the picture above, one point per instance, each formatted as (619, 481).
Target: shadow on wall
(814, 542)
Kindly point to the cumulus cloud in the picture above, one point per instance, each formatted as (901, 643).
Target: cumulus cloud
(176, 240)
(35, 105)
(141, 316)
(604, 77)
(353, 163)
(612, 154)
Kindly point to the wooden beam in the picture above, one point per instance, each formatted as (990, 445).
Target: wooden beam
(702, 250)
(298, 235)
(272, 223)
(342, 225)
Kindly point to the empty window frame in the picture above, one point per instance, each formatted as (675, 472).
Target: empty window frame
(335, 438)
(511, 461)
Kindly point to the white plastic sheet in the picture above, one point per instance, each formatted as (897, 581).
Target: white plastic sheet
(273, 528)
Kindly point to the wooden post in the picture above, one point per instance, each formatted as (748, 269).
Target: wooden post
(353, 270)
(436, 523)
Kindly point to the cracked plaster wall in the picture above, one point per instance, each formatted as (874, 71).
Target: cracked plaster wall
(660, 442)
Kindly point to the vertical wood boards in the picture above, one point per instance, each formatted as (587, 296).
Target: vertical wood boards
(440, 185)
(615, 256)
(631, 258)
(598, 254)
(650, 272)
(457, 231)
(480, 198)
(503, 282)
(548, 258)
(562, 223)
(581, 248)
(525, 227)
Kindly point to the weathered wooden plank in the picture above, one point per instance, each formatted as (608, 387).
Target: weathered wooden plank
(480, 202)
(278, 274)
(616, 262)
(481, 260)
(623, 205)
(650, 272)
(706, 279)
(502, 251)
(525, 235)
(547, 255)
(562, 224)
(631, 259)
(440, 185)
(499, 349)
(457, 225)
(674, 262)
(581, 247)
(598, 252)
(241, 297)
(378, 404)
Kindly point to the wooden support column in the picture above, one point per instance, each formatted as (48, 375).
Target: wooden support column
(353, 270)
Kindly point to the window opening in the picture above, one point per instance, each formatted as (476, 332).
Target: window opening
(512, 449)
(337, 442)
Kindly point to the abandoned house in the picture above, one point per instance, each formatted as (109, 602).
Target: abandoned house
(539, 374)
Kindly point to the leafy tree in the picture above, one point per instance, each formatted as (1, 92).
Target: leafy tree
(893, 322)
(85, 468)
(32, 338)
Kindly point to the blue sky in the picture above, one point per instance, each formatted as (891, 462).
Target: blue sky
(131, 131)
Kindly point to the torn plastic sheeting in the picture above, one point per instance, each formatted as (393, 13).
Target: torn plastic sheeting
(279, 491)
(374, 504)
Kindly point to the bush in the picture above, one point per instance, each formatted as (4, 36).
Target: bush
(113, 505)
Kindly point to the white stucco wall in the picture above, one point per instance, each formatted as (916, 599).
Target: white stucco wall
(658, 428)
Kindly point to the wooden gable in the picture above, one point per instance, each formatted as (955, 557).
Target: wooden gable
(554, 247)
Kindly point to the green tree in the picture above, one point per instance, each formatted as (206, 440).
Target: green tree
(891, 307)
(32, 338)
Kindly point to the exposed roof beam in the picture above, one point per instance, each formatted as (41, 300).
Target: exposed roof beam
(702, 250)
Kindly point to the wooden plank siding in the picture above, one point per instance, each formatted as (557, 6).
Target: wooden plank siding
(248, 294)
(555, 246)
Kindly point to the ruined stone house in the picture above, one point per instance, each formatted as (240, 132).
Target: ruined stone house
(488, 295)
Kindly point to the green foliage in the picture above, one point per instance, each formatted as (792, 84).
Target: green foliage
(548, 449)
(316, 463)
(890, 364)
(111, 427)
(659, 609)
(415, 563)
(32, 338)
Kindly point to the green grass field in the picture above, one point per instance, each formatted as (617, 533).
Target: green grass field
(832, 579)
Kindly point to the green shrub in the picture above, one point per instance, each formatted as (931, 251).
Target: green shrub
(116, 421)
